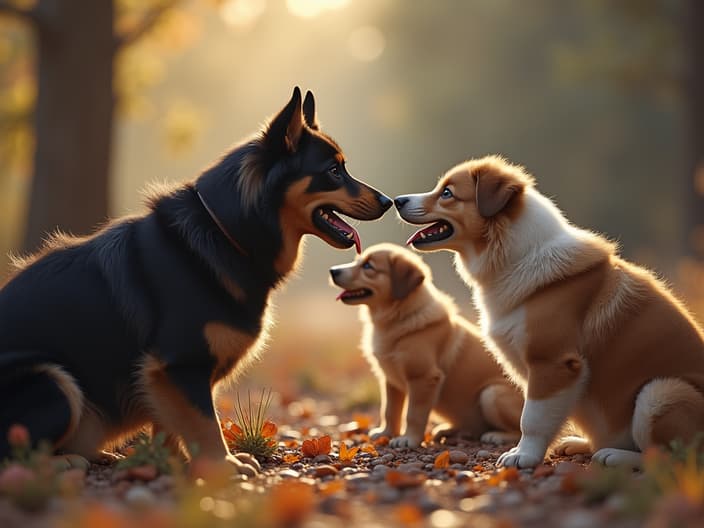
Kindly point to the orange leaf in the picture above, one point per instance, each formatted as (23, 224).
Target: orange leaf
(269, 429)
(442, 461)
(235, 429)
(363, 420)
(324, 445)
(291, 458)
(408, 514)
(229, 436)
(332, 487)
(347, 454)
(382, 441)
(370, 449)
(478, 468)
(401, 479)
(291, 502)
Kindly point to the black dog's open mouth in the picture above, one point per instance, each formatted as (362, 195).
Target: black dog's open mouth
(325, 219)
(433, 233)
(353, 295)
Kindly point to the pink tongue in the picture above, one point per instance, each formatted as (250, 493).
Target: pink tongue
(346, 227)
(341, 294)
(357, 242)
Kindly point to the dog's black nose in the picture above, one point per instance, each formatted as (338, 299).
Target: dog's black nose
(334, 272)
(385, 201)
(400, 201)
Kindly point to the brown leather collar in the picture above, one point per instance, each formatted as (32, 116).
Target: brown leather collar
(220, 225)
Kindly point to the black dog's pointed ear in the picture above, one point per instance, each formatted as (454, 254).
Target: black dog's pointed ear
(309, 111)
(286, 128)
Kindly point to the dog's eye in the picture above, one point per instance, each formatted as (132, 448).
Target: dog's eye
(446, 193)
(334, 171)
(368, 265)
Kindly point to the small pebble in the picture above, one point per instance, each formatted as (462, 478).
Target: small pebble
(387, 458)
(322, 459)
(140, 496)
(388, 495)
(324, 471)
(289, 473)
(465, 475)
(483, 454)
(410, 466)
(458, 457)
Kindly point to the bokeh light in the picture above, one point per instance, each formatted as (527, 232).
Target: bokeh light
(366, 43)
(242, 13)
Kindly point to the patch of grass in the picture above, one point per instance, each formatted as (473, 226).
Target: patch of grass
(250, 431)
(151, 451)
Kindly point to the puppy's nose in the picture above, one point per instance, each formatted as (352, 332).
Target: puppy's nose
(385, 201)
(334, 272)
(400, 201)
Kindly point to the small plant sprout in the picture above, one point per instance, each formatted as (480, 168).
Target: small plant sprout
(251, 432)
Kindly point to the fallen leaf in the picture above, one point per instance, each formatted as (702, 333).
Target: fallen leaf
(478, 468)
(291, 458)
(370, 449)
(402, 479)
(408, 514)
(504, 475)
(442, 461)
(428, 437)
(316, 446)
(331, 487)
(364, 421)
(381, 441)
(291, 502)
(345, 454)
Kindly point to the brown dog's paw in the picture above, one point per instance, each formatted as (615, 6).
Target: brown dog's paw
(245, 464)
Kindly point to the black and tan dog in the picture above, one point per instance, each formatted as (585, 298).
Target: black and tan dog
(139, 323)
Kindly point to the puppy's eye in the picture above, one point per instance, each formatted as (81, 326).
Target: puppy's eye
(446, 193)
(368, 265)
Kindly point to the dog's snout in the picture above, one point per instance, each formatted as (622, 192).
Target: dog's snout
(334, 272)
(385, 201)
(400, 201)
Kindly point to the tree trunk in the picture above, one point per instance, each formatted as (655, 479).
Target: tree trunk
(695, 115)
(73, 118)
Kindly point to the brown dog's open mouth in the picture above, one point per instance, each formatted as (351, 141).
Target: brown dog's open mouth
(433, 233)
(353, 295)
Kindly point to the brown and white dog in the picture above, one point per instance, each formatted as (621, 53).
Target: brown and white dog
(424, 352)
(588, 335)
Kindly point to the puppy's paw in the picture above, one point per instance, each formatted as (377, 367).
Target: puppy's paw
(245, 464)
(572, 445)
(500, 437)
(612, 457)
(405, 441)
(378, 432)
(519, 458)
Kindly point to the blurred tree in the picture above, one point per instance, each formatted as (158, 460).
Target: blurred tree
(76, 45)
(653, 49)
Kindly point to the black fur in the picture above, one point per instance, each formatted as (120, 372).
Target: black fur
(147, 285)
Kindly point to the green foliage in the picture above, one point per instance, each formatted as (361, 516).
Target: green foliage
(252, 433)
(150, 451)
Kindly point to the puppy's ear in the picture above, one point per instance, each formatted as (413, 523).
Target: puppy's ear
(284, 131)
(405, 277)
(495, 189)
(309, 111)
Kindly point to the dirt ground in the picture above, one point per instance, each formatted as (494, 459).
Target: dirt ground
(442, 485)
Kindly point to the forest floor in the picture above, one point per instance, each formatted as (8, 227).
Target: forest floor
(327, 472)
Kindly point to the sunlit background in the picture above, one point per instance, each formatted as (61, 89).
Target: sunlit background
(588, 95)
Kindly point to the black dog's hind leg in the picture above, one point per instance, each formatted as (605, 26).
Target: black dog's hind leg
(33, 398)
(182, 403)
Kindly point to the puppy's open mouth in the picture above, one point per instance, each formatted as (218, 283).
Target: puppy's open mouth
(353, 295)
(433, 233)
(325, 219)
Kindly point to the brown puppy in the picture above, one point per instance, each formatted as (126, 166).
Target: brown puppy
(423, 351)
(587, 334)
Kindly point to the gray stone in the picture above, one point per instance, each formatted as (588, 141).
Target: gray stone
(140, 496)
(458, 457)
(483, 454)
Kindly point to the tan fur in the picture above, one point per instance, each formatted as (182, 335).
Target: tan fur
(228, 345)
(422, 350)
(173, 412)
(74, 396)
(555, 299)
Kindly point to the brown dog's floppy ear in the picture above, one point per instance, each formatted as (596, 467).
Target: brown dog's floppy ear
(309, 111)
(405, 277)
(494, 191)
